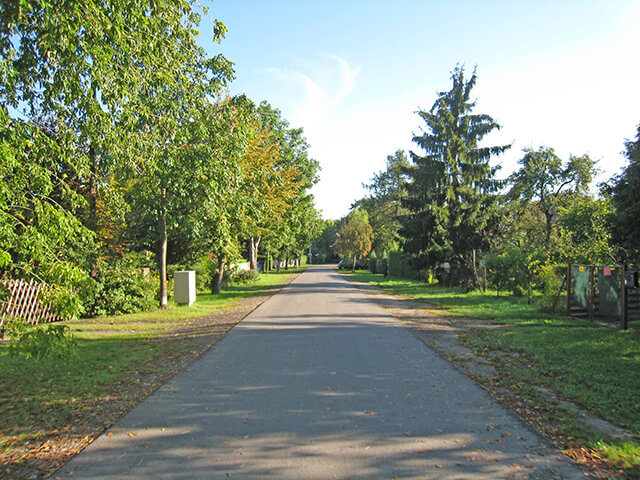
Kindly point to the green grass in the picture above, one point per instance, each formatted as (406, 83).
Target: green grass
(159, 319)
(595, 368)
(454, 301)
(39, 400)
(40, 396)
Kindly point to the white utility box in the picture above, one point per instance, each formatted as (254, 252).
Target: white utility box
(184, 287)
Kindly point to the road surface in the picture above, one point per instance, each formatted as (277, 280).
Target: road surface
(320, 382)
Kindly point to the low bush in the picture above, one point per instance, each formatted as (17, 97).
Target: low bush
(122, 287)
(243, 276)
(40, 342)
(373, 263)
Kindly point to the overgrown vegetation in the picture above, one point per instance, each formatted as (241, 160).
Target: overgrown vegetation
(40, 342)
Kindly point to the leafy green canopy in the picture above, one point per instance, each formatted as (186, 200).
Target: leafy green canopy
(355, 236)
(87, 88)
(384, 204)
(543, 179)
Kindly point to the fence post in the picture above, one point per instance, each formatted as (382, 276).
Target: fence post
(568, 290)
(623, 300)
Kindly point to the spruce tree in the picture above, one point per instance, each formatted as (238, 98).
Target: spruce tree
(451, 193)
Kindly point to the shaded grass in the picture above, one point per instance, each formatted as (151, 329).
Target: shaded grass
(40, 396)
(593, 367)
(44, 399)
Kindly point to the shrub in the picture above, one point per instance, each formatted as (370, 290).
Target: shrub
(373, 263)
(553, 279)
(243, 276)
(40, 342)
(122, 288)
(400, 266)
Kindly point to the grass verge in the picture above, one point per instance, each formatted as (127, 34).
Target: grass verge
(595, 368)
(51, 410)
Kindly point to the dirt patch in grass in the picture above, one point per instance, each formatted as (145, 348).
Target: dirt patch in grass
(40, 449)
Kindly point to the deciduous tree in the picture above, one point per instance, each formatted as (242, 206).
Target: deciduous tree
(355, 237)
(543, 179)
(626, 201)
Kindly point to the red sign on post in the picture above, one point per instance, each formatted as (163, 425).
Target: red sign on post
(606, 271)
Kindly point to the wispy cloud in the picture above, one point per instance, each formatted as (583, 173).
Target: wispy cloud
(326, 85)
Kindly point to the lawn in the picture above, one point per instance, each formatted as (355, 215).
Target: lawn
(50, 409)
(594, 367)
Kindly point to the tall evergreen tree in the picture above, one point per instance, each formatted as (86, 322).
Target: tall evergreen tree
(451, 190)
(626, 202)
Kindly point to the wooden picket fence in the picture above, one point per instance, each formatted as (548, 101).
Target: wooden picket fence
(23, 302)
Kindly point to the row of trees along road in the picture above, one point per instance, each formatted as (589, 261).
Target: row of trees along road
(117, 140)
(444, 212)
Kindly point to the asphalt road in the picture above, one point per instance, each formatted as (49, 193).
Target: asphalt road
(320, 382)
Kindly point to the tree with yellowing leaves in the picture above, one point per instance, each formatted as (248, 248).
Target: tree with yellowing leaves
(355, 237)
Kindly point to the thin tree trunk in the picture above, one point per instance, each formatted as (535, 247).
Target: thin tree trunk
(93, 206)
(254, 243)
(475, 270)
(216, 284)
(549, 219)
(163, 251)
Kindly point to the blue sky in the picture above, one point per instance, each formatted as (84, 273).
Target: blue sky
(353, 73)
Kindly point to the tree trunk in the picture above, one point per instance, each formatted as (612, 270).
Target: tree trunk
(163, 251)
(216, 283)
(254, 243)
(549, 218)
(93, 206)
(353, 268)
(475, 270)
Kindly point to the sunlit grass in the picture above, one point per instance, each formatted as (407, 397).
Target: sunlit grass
(157, 320)
(38, 398)
(457, 302)
(593, 367)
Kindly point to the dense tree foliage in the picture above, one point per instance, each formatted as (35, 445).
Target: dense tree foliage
(355, 237)
(384, 204)
(117, 145)
(445, 214)
(451, 193)
(625, 198)
(545, 181)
